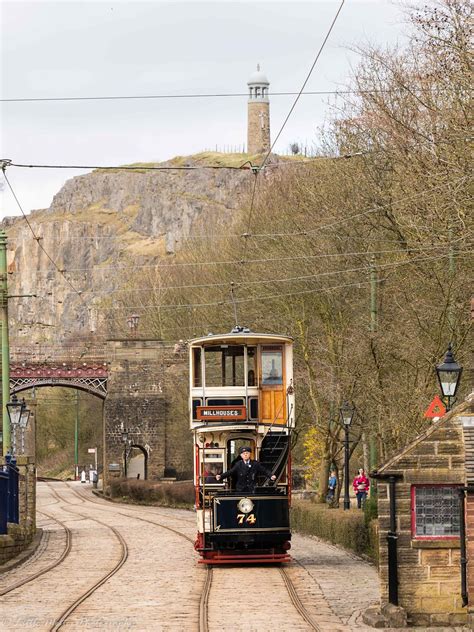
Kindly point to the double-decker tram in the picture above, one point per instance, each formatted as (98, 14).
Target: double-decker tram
(242, 396)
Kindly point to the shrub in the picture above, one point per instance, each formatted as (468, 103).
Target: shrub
(345, 528)
(179, 494)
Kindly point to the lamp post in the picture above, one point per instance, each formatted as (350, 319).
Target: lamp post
(449, 375)
(132, 322)
(347, 414)
(25, 416)
(125, 444)
(15, 410)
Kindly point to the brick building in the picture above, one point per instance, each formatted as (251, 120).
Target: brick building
(426, 523)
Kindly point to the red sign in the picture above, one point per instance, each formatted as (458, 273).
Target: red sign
(436, 408)
(221, 413)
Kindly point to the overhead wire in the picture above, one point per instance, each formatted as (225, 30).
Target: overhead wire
(195, 95)
(164, 288)
(179, 264)
(264, 297)
(318, 54)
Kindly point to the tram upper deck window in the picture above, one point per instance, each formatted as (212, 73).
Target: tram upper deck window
(272, 366)
(224, 366)
(197, 374)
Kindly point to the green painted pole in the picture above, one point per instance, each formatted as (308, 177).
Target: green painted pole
(76, 439)
(5, 345)
(373, 295)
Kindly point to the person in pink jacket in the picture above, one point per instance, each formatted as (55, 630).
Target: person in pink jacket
(361, 485)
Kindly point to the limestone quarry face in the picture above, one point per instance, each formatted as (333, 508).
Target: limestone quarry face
(102, 220)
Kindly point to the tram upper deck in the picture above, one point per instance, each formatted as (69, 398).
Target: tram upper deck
(241, 379)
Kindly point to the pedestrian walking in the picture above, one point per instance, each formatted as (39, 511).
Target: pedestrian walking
(361, 485)
(332, 485)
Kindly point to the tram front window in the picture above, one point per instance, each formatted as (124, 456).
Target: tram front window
(224, 366)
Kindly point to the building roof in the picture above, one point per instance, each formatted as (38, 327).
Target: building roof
(465, 407)
(258, 78)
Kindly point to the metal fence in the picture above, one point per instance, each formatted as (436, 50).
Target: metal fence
(9, 506)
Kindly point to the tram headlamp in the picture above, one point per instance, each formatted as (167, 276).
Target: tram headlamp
(245, 505)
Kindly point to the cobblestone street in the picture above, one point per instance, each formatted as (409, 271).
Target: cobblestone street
(134, 568)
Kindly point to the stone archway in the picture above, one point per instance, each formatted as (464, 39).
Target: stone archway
(137, 462)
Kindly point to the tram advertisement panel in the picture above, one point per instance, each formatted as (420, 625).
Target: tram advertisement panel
(251, 513)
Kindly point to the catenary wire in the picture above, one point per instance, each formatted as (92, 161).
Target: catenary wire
(179, 264)
(191, 95)
(264, 297)
(265, 281)
(286, 120)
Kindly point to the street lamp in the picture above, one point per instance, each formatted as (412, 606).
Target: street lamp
(449, 375)
(25, 416)
(347, 414)
(125, 444)
(15, 410)
(132, 322)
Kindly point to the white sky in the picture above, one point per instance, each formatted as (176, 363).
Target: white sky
(102, 48)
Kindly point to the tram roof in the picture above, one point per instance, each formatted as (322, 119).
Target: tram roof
(241, 337)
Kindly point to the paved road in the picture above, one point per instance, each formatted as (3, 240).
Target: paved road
(138, 571)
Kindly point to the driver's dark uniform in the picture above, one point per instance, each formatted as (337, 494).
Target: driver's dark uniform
(245, 474)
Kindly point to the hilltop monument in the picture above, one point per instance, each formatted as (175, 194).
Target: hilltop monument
(258, 131)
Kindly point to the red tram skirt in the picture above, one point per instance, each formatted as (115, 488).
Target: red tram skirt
(218, 557)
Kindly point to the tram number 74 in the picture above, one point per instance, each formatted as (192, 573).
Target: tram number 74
(250, 518)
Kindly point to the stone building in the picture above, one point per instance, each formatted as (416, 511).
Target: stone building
(147, 404)
(426, 523)
(258, 131)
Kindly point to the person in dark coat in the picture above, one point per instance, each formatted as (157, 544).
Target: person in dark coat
(245, 472)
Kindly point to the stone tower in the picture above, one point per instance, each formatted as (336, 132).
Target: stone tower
(258, 134)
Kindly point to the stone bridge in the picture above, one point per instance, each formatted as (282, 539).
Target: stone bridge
(143, 384)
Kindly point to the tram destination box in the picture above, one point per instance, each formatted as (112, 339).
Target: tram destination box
(251, 513)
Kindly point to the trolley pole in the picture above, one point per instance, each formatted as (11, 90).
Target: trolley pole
(76, 440)
(5, 342)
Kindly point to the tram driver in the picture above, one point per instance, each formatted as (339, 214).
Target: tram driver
(245, 472)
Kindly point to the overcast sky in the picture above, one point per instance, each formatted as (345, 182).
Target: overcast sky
(109, 48)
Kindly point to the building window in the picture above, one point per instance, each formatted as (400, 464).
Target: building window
(435, 511)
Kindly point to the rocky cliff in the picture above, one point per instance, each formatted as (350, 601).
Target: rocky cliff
(105, 219)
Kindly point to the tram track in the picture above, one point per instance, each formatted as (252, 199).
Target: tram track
(203, 621)
(296, 601)
(62, 557)
(66, 613)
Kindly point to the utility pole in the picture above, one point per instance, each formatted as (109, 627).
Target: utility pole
(373, 457)
(373, 295)
(76, 439)
(5, 345)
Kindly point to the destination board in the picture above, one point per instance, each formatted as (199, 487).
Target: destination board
(221, 413)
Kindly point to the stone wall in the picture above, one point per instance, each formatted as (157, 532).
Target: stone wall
(429, 571)
(146, 385)
(20, 535)
(258, 133)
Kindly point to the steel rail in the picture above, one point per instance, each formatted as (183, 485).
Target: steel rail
(204, 602)
(124, 555)
(62, 557)
(296, 601)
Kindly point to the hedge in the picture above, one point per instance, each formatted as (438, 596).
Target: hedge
(348, 529)
(179, 494)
